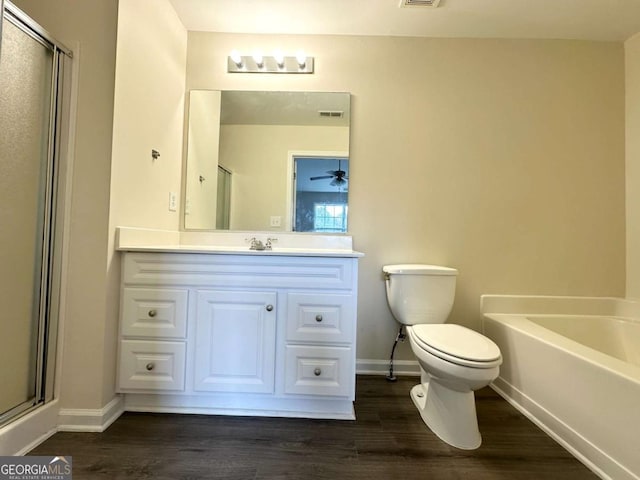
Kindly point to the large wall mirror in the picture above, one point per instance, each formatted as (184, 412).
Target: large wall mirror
(271, 161)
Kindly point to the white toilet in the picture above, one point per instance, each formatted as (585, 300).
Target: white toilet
(454, 360)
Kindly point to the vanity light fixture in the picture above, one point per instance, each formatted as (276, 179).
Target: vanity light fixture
(276, 63)
(419, 3)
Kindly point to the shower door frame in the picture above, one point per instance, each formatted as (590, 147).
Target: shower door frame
(47, 295)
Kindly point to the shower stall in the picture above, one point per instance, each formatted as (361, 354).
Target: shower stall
(34, 70)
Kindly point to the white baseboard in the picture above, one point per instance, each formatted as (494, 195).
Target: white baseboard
(90, 420)
(381, 367)
(29, 431)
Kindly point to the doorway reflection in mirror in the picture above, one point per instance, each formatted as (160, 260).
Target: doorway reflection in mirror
(321, 194)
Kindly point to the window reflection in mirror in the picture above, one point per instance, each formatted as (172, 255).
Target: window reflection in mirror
(252, 136)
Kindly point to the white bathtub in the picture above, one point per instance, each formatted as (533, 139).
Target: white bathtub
(572, 365)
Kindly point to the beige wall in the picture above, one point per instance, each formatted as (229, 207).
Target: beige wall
(632, 69)
(89, 28)
(258, 156)
(502, 158)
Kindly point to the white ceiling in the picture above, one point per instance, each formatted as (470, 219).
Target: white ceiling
(608, 20)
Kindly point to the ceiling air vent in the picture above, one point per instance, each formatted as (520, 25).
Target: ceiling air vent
(419, 3)
(331, 113)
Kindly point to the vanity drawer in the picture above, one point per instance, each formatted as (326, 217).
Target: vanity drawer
(320, 318)
(148, 365)
(322, 371)
(154, 312)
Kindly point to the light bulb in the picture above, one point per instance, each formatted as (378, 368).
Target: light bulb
(279, 58)
(301, 58)
(236, 58)
(257, 57)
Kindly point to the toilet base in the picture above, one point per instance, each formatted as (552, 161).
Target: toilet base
(450, 414)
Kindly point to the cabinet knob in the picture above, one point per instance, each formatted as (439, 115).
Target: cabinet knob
(269, 307)
(317, 372)
(150, 366)
(152, 313)
(318, 318)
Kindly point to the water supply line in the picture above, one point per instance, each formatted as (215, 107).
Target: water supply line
(399, 337)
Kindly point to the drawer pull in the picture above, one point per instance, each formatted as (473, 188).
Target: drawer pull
(152, 313)
(318, 318)
(150, 366)
(269, 307)
(317, 372)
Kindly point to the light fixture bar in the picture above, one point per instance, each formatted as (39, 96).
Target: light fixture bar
(419, 3)
(270, 64)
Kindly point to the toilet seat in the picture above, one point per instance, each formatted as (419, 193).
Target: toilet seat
(457, 344)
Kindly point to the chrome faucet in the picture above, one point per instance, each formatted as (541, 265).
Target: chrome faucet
(257, 244)
(270, 242)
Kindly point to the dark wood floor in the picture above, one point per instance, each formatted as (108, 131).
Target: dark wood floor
(387, 441)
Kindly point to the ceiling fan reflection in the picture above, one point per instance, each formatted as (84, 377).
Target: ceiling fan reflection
(339, 176)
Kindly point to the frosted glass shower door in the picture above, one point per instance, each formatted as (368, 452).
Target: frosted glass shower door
(26, 79)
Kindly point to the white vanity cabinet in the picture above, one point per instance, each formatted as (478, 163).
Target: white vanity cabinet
(259, 334)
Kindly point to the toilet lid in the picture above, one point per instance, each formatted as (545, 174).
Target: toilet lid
(418, 269)
(457, 344)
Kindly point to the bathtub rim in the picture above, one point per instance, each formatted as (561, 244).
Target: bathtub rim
(523, 325)
(560, 305)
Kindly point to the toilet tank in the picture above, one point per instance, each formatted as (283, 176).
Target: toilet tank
(420, 293)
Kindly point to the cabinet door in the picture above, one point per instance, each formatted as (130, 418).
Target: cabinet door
(235, 341)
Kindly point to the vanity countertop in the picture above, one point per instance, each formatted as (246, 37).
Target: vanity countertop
(233, 243)
(225, 250)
